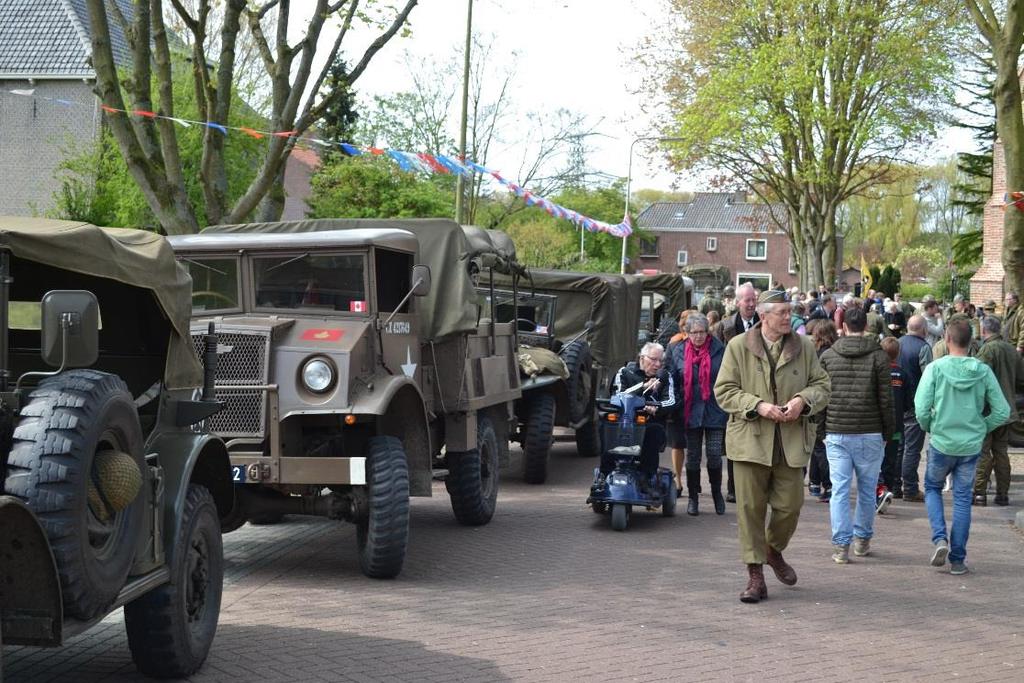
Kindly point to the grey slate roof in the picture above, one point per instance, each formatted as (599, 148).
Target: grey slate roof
(708, 212)
(51, 38)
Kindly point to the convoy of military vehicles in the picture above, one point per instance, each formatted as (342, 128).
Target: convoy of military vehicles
(323, 367)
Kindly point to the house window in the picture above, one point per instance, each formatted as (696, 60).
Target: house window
(761, 281)
(649, 248)
(682, 257)
(757, 250)
(712, 244)
(792, 265)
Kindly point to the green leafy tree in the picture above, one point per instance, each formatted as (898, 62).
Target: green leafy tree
(808, 102)
(374, 187)
(882, 219)
(967, 251)
(978, 115)
(539, 244)
(887, 279)
(338, 122)
(918, 263)
(602, 251)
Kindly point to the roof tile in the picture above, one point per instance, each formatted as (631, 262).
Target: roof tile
(709, 211)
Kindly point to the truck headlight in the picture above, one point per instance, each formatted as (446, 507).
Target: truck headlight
(318, 375)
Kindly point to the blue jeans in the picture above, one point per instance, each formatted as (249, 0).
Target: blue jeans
(913, 441)
(849, 453)
(962, 468)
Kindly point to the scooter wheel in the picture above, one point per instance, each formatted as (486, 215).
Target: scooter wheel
(599, 508)
(620, 516)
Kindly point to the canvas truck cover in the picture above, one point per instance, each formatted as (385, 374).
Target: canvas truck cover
(612, 302)
(492, 249)
(133, 257)
(672, 287)
(451, 307)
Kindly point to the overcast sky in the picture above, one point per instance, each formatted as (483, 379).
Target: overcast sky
(571, 54)
(566, 53)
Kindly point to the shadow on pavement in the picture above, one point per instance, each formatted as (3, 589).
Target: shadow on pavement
(267, 653)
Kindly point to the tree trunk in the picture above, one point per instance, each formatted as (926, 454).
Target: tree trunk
(272, 205)
(1010, 126)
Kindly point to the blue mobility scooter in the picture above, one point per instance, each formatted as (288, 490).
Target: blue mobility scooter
(623, 424)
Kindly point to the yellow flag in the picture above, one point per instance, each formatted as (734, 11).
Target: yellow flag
(865, 275)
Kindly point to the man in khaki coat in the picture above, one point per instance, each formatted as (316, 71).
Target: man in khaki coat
(770, 384)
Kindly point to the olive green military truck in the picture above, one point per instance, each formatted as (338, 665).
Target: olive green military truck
(665, 296)
(112, 486)
(589, 322)
(356, 363)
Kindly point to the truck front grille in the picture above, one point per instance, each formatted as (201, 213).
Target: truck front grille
(242, 359)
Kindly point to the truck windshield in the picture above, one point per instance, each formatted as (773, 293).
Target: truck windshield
(315, 281)
(214, 282)
(534, 314)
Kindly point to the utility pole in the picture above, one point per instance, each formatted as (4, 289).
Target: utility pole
(629, 182)
(460, 186)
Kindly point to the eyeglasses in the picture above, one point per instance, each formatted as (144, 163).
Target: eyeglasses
(654, 359)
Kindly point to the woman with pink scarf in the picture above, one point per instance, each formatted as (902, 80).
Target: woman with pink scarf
(695, 364)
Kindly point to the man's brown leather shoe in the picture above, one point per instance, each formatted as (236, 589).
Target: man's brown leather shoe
(755, 591)
(783, 572)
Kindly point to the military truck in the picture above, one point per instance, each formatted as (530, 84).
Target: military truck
(665, 295)
(590, 321)
(112, 486)
(355, 364)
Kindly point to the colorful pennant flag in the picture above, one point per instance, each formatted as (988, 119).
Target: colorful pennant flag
(407, 161)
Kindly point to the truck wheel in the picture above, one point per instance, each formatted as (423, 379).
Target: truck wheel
(579, 386)
(540, 427)
(588, 439)
(68, 419)
(384, 533)
(472, 478)
(170, 629)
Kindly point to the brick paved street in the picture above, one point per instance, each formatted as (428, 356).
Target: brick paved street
(548, 591)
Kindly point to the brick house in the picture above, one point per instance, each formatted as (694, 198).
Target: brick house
(987, 283)
(721, 229)
(44, 53)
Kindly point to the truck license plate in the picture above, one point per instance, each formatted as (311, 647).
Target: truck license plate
(238, 474)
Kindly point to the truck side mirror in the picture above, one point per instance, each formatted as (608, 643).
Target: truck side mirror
(72, 315)
(420, 280)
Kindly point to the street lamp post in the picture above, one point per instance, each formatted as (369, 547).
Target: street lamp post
(629, 181)
(460, 182)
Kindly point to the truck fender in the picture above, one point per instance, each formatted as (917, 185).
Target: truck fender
(401, 413)
(31, 609)
(191, 458)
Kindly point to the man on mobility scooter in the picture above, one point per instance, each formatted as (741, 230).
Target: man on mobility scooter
(658, 387)
(633, 435)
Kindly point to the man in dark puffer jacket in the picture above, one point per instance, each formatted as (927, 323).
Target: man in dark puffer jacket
(859, 422)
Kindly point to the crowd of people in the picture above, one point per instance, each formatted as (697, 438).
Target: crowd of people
(787, 389)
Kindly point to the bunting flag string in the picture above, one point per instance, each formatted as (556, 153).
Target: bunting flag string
(407, 161)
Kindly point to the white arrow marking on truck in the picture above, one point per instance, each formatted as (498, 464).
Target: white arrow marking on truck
(408, 367)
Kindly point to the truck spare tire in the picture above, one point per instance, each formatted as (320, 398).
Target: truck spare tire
(68, 419)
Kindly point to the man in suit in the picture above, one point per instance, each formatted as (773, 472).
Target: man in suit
(744, 318)
(727, 328)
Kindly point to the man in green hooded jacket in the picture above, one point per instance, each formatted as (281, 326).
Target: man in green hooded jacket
(950, 404)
